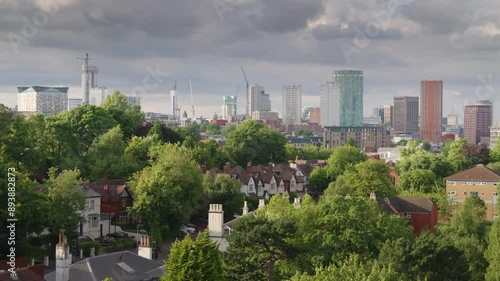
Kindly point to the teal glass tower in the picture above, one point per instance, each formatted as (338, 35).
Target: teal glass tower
(350, 83)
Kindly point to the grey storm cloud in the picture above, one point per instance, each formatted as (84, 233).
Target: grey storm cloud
(278, 41)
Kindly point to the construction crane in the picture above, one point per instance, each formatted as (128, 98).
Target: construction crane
(248, 90)
(191, 91)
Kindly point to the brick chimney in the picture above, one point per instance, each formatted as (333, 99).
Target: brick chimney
(63, 259)
(262, 203)
(145, 249)
(249, 167)
(105, 196)
(227, 168)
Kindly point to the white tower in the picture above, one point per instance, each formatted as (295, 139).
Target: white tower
(63, 259)
(173, 98)
(89, 78)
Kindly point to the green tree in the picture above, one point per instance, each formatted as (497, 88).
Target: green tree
(418, 180)
(167, 192)
(194, 260)
(429, 257)
(492, 256)
(343, 158)
(424, 160)
(65, 201)
(445, 148)
(213, 129)
(457, 157)
(223, 190)
(208, 153)
(319, 180)
(256, 244)
(255, 142)
(366, 177)
(495, 153)
(128, 117)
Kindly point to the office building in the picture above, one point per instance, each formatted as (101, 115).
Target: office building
(365, 136)
(229, 108)
(74, 103)
(379, 112)
(478, 119)
(494, 134)
(265, 115)
(133, 100)
(257, 99)
(350, 85)
(405, 115)
(388, 114)
(291, 104)
(431, 110)
(452, 120)
(314, 115)
(46, 100)
(97, 95)
(330, 104)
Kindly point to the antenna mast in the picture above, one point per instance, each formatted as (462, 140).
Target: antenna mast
(191, 91)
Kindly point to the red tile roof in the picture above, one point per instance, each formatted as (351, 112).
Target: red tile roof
(479, 173)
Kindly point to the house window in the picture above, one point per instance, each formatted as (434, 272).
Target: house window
(453, 192)
(495, 184)
(465, 193)
(495, 194)
(124, 202)
(91, 204)
(93, 220)
(250, 187)
(482, 194)
(273, 186)
(469, 183)
(452, 183)
(123, 218)
(473, 193)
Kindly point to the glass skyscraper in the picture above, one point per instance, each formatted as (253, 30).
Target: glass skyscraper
(350, 85)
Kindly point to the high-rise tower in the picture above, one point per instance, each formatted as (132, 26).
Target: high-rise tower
(431, 110)
(291, 104)
(89, 78)
(405, 115)
(329, 104)
(478, 119)
(350, 84)
(173, 99)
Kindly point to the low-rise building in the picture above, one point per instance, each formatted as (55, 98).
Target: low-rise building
(366, 136)
(116, 198)
(479, 181)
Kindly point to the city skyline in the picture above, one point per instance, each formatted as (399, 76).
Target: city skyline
(192, 39)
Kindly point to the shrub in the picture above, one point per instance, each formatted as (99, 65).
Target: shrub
(86, 247)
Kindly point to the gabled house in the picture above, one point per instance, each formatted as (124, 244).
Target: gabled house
(93, 222)
(480, 181)
(116, 198)
(421, 212)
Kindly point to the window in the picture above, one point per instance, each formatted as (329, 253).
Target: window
(453, 192)
(495, 184)
(273, 186)
(495, 194)
(452, 183)
(250, 187)
(482, 194)
(469, 183)
(465, 193)
(93, 221)
(91, 204)
(473, 193)
(124, 202)
(123, 218)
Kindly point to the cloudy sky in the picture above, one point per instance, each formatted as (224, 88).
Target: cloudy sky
(142, 46)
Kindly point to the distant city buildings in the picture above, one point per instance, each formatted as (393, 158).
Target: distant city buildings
(405, 115)
(478, 119)
(229, 107)
(46, 100)
(388, 115)
(363, 136)
(452, 120)
(258, 100)
(97, 95)
(133, 100)
(372, 120)
(315, 115)
(494, 134)
(173, 100)
(74, 103)
(350, 85)
(431, 110)
(291, 104)
(265, 115)
(329, 104)
(379, 112)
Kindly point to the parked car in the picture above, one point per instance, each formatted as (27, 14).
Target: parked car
(186, 229)
(85, 238)
(106, 239)
(118, 235)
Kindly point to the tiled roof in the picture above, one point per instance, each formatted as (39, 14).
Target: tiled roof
(115, 188)
(87, 192)
(480, 173)
(408, 204)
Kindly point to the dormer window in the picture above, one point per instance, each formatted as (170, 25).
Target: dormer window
(255, 175)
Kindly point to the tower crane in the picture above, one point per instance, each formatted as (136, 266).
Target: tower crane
(248, 90)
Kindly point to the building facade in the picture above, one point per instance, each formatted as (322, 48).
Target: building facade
(478, 119)
(265, 115)
(314, 115)
(431, 110)
(405, 115)
(479, 181)
(291, 104)
(229, 107)
(330, 104)
(366, 136)
(46, 100)
(350, 84)
(97, 95)
(494, 134)
(257, 99)
(388, 114)
(74, 103)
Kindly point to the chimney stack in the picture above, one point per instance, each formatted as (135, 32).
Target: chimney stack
(373, 196)
(145, 249)
(249, 167)
(262, 204)
(296, 202)
(63, 259)
(245, 208)
(215, 220)
(227, 168)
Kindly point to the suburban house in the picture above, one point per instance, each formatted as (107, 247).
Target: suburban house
(93, 222)
(25, 271)
(479, 181)
(120, 266)
(116, 198)
(421, 212)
